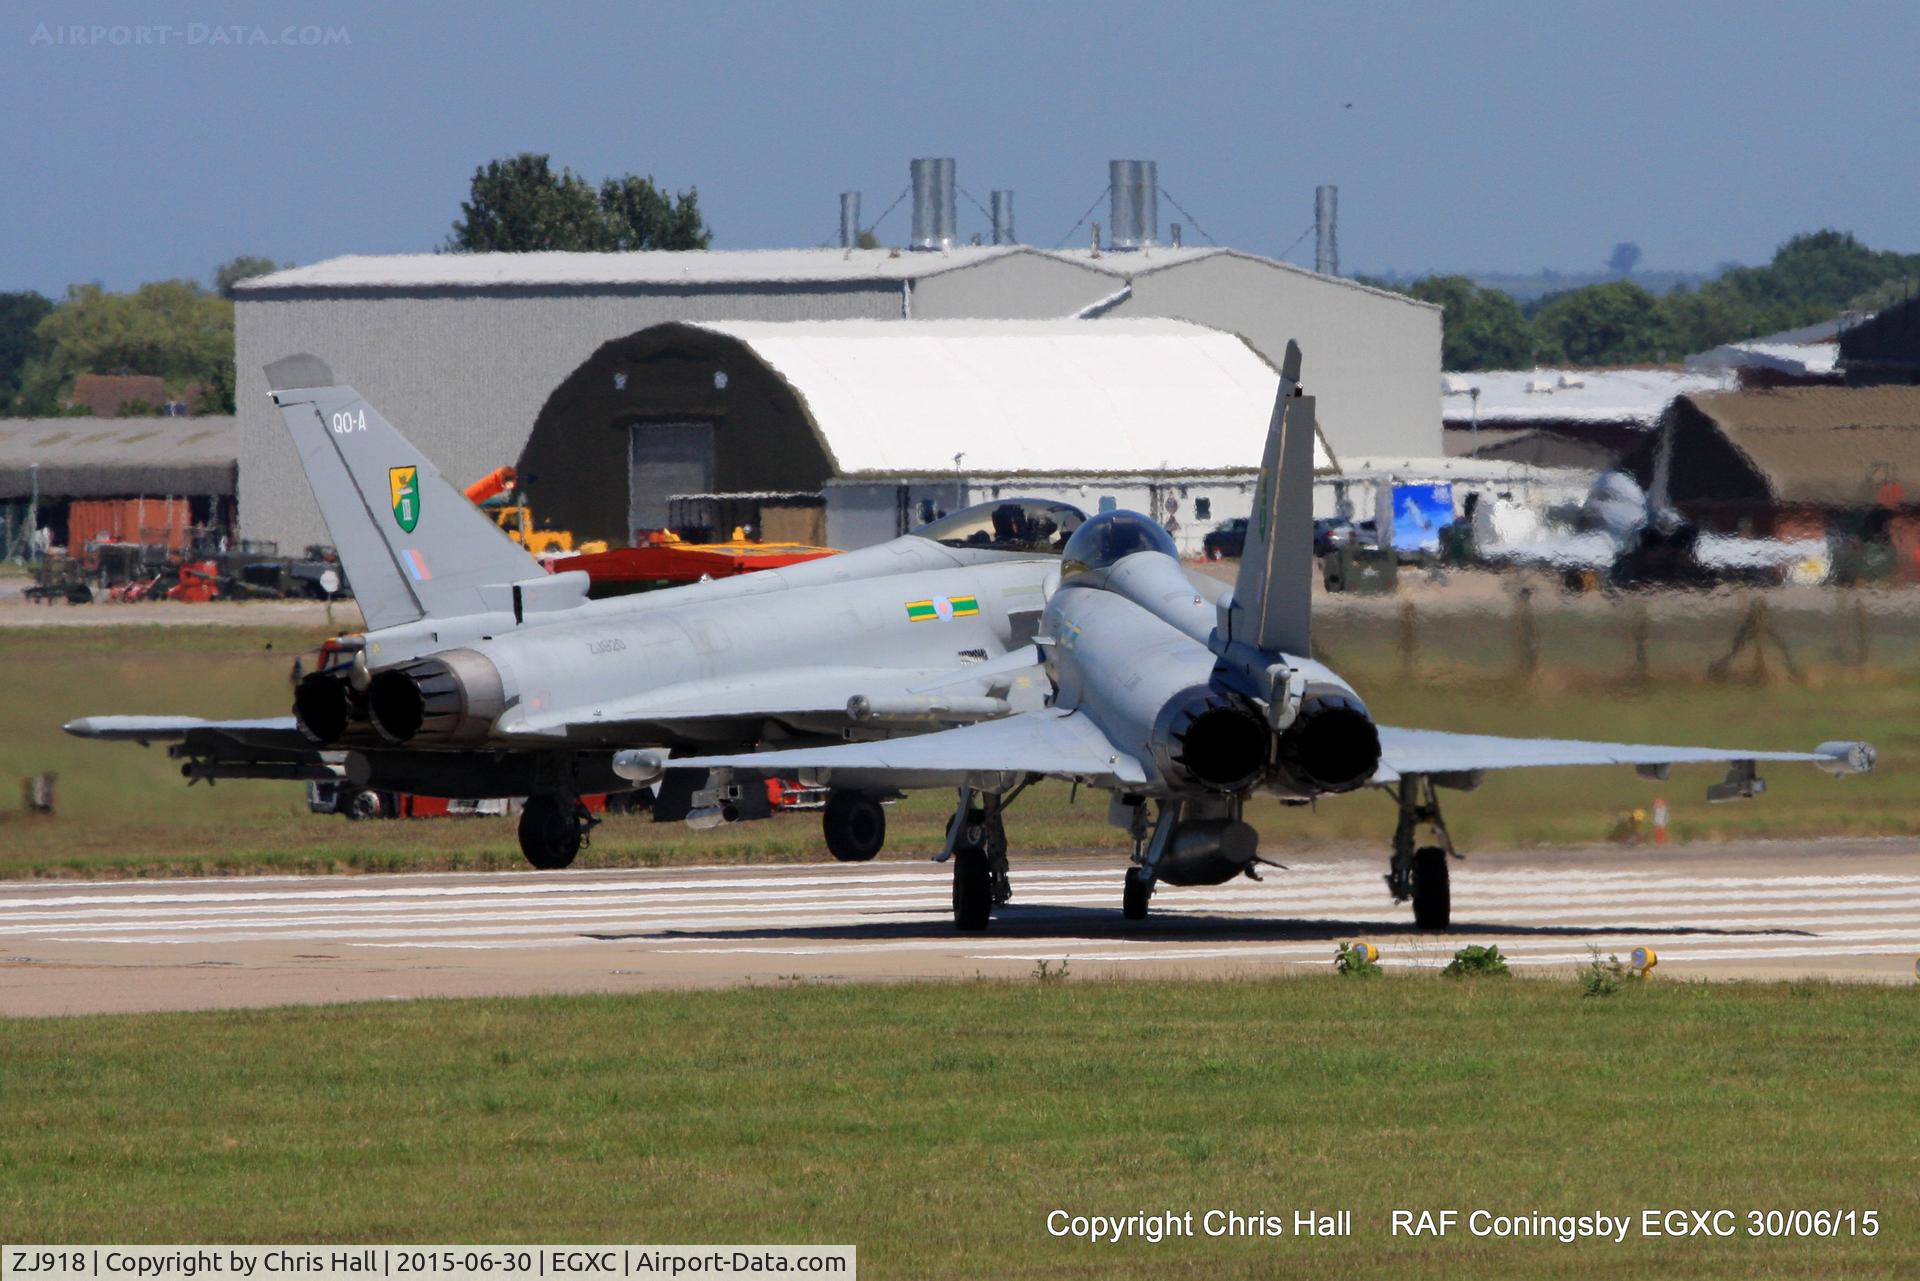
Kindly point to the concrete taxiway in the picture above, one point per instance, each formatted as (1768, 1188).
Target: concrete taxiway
(1837, 908)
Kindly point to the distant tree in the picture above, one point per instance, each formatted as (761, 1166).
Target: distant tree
(1617, 323)
(1816, 273)
(1481, 328)
(1625, 257)
(1699, 320)
(20, 317)
(245, 267)
(519, 205)
(171, 328)
(638, 215)
(866, 240)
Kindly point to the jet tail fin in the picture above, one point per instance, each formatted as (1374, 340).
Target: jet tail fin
(412, 545)
(1271, 607)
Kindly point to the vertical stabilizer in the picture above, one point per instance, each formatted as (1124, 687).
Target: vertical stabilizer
(1272, 603)
(412, 545)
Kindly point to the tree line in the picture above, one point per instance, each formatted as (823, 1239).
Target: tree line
(183, 331)
(1812, 278)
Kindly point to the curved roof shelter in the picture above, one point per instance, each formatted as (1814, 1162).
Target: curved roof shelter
(753, 406)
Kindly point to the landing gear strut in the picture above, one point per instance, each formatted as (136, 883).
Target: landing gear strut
(552, 830)
(977, 844)
(1419, 867)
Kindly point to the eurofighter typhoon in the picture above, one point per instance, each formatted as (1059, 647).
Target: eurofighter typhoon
(1006, 643)
(1168, 692)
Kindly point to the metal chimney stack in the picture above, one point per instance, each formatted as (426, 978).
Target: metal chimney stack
(849, 219)
(933, 209)
(1135, 188)
(1002, 202)
(1326, 227)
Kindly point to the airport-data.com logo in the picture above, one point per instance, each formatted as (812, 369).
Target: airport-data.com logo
(190, 35)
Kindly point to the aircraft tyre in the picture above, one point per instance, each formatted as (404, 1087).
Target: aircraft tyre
(363, 804)
(972, 890)
(1432, 895)
(549, 832)
(855, 825)
(1139, 890)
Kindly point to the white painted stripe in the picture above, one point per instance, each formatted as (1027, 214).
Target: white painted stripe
(1474, 894)
(523, 883)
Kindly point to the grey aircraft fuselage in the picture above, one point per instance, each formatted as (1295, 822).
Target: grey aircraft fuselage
(790, 646)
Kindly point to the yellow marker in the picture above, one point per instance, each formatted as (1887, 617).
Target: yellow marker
(1367, 951)
(1644, 959)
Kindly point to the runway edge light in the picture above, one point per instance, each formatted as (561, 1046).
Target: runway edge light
(1644, 959)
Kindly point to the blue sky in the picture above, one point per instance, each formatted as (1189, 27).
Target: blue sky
(1483, 136)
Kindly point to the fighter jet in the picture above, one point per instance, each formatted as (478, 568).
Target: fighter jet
(1623, 536)
(1182, 701)
(480, 675)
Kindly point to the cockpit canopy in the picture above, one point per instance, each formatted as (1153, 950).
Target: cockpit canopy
(1032, 525)
(1103, 541)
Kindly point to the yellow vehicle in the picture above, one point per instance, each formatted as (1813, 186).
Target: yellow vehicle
(494, 494)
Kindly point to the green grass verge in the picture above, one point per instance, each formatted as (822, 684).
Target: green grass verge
(124, 810)
(936, 1125)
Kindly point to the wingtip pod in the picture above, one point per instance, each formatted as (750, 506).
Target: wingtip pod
(1841, 759)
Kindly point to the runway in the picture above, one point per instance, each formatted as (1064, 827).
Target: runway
(1838, 908)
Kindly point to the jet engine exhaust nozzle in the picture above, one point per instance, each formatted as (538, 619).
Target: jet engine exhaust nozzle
(1214, 743)
(1332, 746)
(451, 697)
(323, 706)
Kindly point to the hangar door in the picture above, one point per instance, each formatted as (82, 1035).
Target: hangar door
(665, 459)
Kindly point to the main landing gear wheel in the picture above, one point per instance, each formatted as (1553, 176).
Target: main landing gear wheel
(855, 825)
(363, 805)
(972, 889)
(1432, 895)
(1421, 857)
(1133, 902)
(552, 831)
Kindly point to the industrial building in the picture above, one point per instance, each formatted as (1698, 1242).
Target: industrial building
(853, 431)
(1580, 418)
(466, 354)
(1794, 462)
(136, 480)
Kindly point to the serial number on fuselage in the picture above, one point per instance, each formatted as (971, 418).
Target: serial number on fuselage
(611, 645)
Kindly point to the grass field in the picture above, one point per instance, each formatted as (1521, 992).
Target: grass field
(124, 810)
(936, 1125)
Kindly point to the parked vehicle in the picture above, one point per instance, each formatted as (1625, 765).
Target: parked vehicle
(1228, 538)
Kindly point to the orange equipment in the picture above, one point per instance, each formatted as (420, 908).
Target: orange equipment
(492, 485)
(199, 582)
(664, 563)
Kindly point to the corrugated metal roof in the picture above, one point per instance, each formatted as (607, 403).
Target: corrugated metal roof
(654, 267)
(1824, 445)
(1028, 396)
(1800, 360)
(726, 267)
(108, 457)
(1636, 397)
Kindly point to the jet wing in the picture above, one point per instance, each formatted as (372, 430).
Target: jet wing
(976, 691)
(1048, 741)
(269, 732)
(1426, 751)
